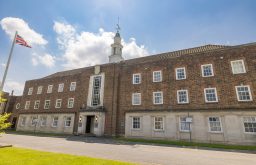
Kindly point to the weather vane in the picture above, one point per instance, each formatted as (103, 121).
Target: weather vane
(117, 25)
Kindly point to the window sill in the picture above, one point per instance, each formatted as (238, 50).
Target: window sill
(216, 132)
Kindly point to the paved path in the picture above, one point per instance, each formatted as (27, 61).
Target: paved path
(143, 154)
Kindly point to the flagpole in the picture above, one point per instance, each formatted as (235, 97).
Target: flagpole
(8, 63)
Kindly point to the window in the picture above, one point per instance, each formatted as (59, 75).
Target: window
(18, 106)
(34, 121)
(214, 124)
(67, 122)
(210, 95)
(72, 86)
(70, 102)
(157, 76)
(36, 105)
(136, 99)
(136, 123)
(136, 78)
(207, 70)
(158, 97)
(39, 90)
(55, 121)
(27, 104)
(23, 121)
(43, 121)
(238, 67)
(47, 104)
(58, 103)
(30, 91)
(250, 124)
(243, 93)
(61, 87)
(182, 96)
(96, 91)
(158, 123)
(184, 125)
(180, 73)
(49, 89)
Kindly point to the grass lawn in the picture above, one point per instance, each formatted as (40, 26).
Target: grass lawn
(20, 156)
(191, 144)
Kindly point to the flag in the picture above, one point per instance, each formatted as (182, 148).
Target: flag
(19, 40)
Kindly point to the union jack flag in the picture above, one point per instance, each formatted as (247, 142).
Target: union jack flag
(19, 40)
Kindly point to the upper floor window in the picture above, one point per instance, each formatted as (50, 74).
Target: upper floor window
(250, 124)
(136, 78)
(158, 97)
(72, 86)
(27, 104)
(136, 98)
(158, 123)
(55, 121)
(30, 91)
(157, 76)
(49, 89)
(207, 70)
(39, 89)
(180, 73)
(58, 103)
(136, 123)
(61, 87)
(210, 95)
(182, 96)
(214, 124)
(71, 102)
(67, 122)
(18, 106)
(96, 90)
(36, 105)
(238, 67)
(243, 93)
(47, 104)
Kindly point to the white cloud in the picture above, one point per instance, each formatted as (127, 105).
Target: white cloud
(13, 85)
(45, 59)
(11, 24)
(87, 48)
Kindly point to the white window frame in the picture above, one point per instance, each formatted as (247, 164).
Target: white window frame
(27, 105)
(58, 101)
(34, 123)
(133, 98)
(48, 105)
(202, 70)
(30, 91)
(65, 122)
(37, 102)
(132, 125)
(39, 90)
(232, 66)
(43, 122)
(209, 124)
(154, 78)
(72, 86)
(18, 106)
(61, 87)
(155, 129)
(53, 119)
(49, 88)
(249, 90)
(216, 94)
(178, 98)
(243, 120)
(23, 121)
(72, 103)
(154, 99)
(134, 78)
(185, 75)
(185, 123)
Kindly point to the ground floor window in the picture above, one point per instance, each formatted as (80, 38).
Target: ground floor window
(159, 123)
(67, 122)
(43, 121)
(55, 121)
(136, 122)
(215, 124)
(23, 121)
(184, 125)
(250, 124)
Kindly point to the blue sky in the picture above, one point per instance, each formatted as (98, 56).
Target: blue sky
(70, 34)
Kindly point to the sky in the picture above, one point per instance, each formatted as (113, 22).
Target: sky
(72, 34)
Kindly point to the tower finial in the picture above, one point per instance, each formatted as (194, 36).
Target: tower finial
(117, 26)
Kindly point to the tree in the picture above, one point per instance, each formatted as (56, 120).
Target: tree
(3, 122)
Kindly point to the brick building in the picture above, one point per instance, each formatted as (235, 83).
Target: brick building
(204, 94)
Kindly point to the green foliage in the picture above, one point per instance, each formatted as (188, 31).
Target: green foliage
(20, 156)
(3, 122)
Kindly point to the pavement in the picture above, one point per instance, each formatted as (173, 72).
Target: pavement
(108, 148)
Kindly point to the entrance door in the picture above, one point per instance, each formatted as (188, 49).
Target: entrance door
(14, 122)
(89, 124)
